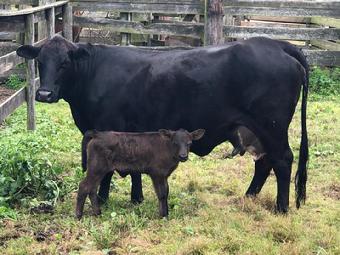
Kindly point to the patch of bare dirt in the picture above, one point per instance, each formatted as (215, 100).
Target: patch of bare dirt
(333, 191)
(5, 93)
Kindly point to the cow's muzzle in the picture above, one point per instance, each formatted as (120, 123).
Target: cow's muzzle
(45, 96)
(183, 158)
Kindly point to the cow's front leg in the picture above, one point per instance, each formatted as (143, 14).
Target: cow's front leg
(104, 189)
(136, 188)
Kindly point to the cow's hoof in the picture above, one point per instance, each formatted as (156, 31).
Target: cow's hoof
(251, 195)
(102, 200)
(79, 216)
(281, 210)
(137, 201)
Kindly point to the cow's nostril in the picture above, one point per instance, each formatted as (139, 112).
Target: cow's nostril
(45, 94)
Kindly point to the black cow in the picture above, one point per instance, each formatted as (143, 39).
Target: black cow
(254, 84)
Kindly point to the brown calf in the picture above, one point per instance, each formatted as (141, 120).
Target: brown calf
(154, 153)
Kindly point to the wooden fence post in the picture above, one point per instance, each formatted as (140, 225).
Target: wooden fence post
(50, 22)
(213, 26)
(126, 38)
(67, 22)
(30, 89)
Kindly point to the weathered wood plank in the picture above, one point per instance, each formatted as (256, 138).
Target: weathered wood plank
(283, 33)
(269, 11)
(12, 103)
(316, 4)
(331, 22)
(12, 24)
(10, 13)
(327, 45)
(125, 37)
(258, 23)
(281, 19)
(30, 78)
(213, 24)
(184, 29)
(50, 22)
(144, 1)
(9, 61)
(166, 8)
(26, 2)
(7, 36)
(323, 57)
(67, 22)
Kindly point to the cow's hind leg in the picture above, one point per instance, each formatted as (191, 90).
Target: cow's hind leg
(104, 188)
(262, 170)
(136, 188)
(282, 169)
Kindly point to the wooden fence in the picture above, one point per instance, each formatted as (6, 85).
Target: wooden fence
(23, 21)
(213, 12)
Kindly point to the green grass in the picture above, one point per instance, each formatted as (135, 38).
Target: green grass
(14, 82)
(208, 211)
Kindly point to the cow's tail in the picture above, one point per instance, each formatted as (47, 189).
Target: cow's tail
(301, 174)
(86, 139)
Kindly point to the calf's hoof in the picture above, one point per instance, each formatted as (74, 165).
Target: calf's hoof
(97, 212)
(79, 216)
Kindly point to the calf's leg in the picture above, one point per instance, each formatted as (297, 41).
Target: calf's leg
(81, 197)
(162, 190)
(262, 170)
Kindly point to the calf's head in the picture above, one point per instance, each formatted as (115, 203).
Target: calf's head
(182, 140)
(55, 63)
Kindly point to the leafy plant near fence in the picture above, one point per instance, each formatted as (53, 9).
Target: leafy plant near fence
(26, 171)
(14, 82)
(30, 175)
(325, 82)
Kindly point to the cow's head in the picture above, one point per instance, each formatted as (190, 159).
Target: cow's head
(182, 140)
(55, 63)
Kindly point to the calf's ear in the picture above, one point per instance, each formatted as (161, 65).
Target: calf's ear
(165, 133)
(79, 54)
(28, 51)
(197, 134)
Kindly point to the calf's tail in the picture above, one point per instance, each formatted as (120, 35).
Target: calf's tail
(86, 139)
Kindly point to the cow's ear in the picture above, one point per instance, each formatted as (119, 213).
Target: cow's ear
(197, 134)
(28, 51)
(165, 133)
(79, 54)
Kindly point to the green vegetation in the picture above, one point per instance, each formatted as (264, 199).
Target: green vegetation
(325, 82)
(14, 82)
(208, 211)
